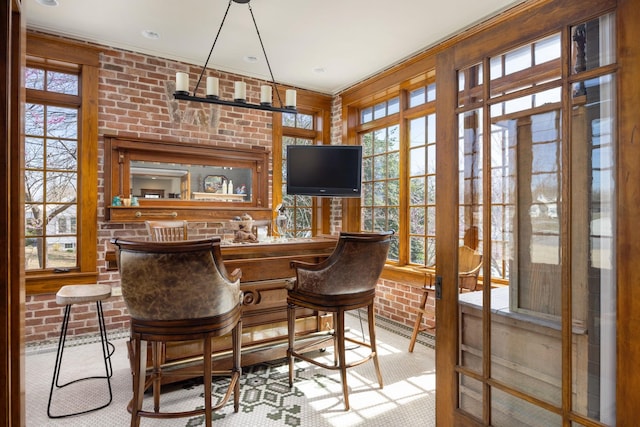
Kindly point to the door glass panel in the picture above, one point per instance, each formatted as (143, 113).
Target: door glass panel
(471, 396)
(592, 267)
(509, 411)
(526, 195)
(469, 281)
(593, 45)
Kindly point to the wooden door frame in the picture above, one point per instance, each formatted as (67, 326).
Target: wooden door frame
(12, 388)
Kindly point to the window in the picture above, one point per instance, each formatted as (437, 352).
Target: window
(381, 182)
(60, 122)
(398, 173)
(298, 209)
(51, 170)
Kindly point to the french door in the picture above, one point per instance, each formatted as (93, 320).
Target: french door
(530, 190)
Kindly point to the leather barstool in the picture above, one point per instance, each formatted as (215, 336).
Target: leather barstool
(78, 294)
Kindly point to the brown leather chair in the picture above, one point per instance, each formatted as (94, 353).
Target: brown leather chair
(178, 291)
(345, 281)
(167, 231)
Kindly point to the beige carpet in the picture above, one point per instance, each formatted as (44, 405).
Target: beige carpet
(407, 399)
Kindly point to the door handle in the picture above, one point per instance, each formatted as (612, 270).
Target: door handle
(439, 287)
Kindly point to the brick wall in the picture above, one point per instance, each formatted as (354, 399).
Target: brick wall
(135, 99)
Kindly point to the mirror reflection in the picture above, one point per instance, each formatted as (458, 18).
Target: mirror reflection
(155, 180)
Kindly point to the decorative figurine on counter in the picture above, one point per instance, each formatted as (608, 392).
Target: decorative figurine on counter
(134, 201)
(244, 236)
(116, 201)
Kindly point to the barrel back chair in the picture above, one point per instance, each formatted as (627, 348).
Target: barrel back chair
(344, 281)
(178, 291)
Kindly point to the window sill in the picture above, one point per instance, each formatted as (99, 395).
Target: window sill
(50, 283)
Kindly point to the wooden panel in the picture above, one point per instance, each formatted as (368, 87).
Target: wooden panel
(12, 390)
(628, 215)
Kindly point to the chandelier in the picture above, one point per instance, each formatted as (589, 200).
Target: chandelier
(240, 88)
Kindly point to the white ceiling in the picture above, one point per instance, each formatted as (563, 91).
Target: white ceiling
(321, 45)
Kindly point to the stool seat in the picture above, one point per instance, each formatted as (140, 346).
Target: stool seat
(67, 296)
(77, 294)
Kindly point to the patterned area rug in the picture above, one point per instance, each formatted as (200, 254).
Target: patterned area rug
(407, 398)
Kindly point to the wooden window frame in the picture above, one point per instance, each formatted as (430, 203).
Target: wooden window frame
(54, 53)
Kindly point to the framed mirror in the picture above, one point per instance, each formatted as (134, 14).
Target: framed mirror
(188, 181)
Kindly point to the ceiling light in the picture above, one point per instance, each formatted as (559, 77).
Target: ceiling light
(150, 34)
(240, 95)
(48, 2)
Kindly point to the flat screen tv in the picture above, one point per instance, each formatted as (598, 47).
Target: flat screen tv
(324, 170)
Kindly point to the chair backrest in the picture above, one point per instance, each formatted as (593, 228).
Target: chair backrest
(175, 280)
(469, 260)
(353, 267)
(469, 265)
(167, 231)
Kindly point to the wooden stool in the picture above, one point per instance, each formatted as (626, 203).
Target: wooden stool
(422, 309)
(77, 294)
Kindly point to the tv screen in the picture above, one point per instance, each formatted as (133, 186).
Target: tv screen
(324, 170)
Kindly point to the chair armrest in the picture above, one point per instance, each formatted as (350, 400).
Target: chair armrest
(236, 274)
(290, 283)
(303, 264)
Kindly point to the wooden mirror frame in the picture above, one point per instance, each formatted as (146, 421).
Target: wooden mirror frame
(120, 151)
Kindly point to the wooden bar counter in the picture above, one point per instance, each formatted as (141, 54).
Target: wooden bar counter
(265, 269)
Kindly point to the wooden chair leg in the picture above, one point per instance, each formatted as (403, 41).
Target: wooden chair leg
(237, 367)
(418, 323)
(342, 358)
(206, 382)
(372, 339)
(156, 355)
(291, 324)
(139, 374)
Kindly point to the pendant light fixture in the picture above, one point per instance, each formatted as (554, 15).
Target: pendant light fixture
(240, 89)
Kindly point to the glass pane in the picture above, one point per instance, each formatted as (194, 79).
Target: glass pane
(593, 263)
(62, 186)
(417, 191)
(394, 138)
(517, 60)
(508, 411)
(380, 110)
(417, 132)
(33, 153)
(469, 252)
(33, 254)
(547, 49)
(61, 219)
(470, 85)
(34, 186)
(417, 223)
(304, 121)
(470, 396)
(431, 92)
(62, 154)
(417, 97)
(288, 119)
(34, 78)
(61, 252)
(34, 119)
(393, 106)
(366, 115)
(62, 83)
(62, 122)
(417, 250)
(593, 44)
